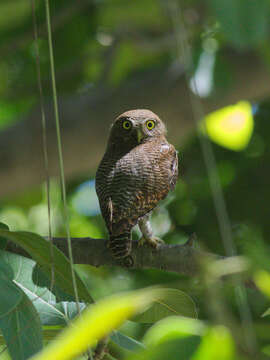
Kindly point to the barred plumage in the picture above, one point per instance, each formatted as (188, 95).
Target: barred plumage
(138, 169)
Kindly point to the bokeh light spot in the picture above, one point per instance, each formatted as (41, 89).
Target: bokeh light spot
(232, 126)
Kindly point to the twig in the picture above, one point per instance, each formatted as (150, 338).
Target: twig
(101, 349)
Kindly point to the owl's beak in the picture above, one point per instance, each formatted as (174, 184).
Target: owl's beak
(139, 134)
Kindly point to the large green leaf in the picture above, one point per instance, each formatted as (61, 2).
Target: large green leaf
(27, 276)
(96, 322)
(22, 330)
(175, 302)
(40, 251)
(244, 22)
(52, 313)
(19, 320)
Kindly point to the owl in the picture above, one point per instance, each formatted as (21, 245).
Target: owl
(137, 171)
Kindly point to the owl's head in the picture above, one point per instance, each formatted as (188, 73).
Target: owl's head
(136, 126)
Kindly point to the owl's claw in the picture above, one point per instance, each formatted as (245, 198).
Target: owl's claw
(153, 241)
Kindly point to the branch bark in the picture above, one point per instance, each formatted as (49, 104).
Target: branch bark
(183, 259)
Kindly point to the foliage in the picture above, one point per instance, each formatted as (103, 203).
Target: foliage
(106, 43)
(96, 322)
(99, 46)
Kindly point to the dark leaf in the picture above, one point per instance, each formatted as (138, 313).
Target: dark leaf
(244, 22)
(176, 302)
(22, 330)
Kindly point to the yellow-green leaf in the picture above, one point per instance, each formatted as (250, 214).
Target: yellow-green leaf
(231, 126)
(216, 344)
(96, 322)
(262, 280)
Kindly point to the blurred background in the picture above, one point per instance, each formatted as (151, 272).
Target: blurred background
(115, 55)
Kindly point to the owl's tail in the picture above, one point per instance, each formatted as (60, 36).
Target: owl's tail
(120, 245)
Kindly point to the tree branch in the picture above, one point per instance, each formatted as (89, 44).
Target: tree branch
(183, 259)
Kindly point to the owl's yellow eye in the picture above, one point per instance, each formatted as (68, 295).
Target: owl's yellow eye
(150, 124)
(127, 125)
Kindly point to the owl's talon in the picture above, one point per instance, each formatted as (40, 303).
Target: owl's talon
(154, 241)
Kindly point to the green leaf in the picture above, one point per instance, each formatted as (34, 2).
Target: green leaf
(266, 350)
(174, 327)
(3, 241)
(216, 344)
(52, 313)
(6, 270)
(19, 320)
(126, 342)
(40, 251)
(49, 332)
(97, 321)
(87, 273)
(243, 22)
(22, 330)
(27, 277)
(11, 295)
(176, 302)
(181, 348)
(4, 355)
(266, 313)
(68, 311)
(170, 336)
(262, 280)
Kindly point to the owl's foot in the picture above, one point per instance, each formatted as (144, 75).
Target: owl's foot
(153, 241)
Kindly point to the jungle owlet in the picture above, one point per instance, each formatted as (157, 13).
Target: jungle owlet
(138, 170)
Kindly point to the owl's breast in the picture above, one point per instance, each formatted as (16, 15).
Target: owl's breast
(136, 181)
